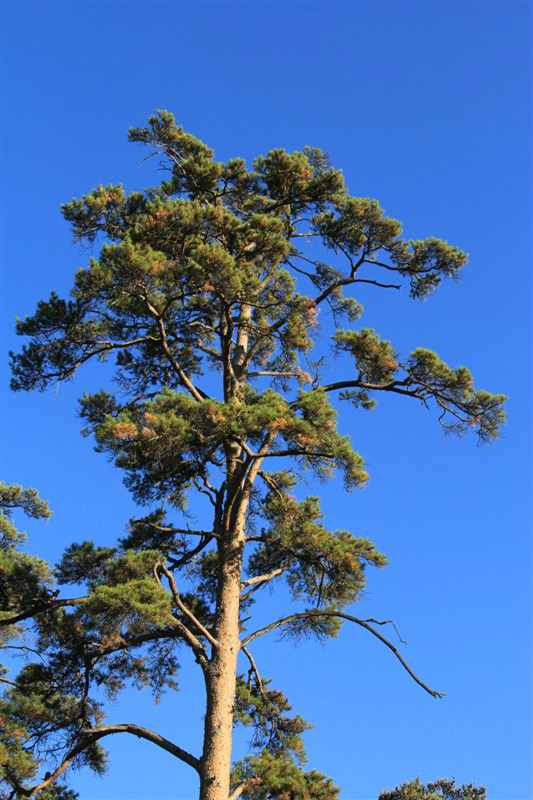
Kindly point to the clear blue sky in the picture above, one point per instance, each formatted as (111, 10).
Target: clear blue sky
(426, 106)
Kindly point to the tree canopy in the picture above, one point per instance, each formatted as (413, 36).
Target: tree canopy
(206, 294)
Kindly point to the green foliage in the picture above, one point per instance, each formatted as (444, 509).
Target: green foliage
(425, 376)
(440, 790)
(375, 359)
(320, 566)
(25, 580)
(268, 777)
(84, 563)
(33, 713)
(265, 711)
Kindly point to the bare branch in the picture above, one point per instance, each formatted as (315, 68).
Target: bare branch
(185, 531)
(263, 578)
(392, 386)
(272, 374)
(341, 615)
(253, 669)
(280, 453)
(136, 641)
(196, 393)
(377, 283)
(183, 608)
(144, 733)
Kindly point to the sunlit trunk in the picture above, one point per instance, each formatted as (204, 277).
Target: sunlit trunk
(216, 761)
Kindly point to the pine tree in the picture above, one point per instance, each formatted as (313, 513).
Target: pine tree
(25, 590)
(439, 790)
(219, 269)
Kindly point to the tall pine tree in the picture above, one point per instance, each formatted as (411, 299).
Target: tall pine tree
(220, 270)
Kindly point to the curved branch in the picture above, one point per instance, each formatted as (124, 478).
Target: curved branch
(341, 615)
(93, 735)
(253, 668)
(186, 558)
(150, 736)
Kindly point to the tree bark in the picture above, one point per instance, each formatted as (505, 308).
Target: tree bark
(221, 679)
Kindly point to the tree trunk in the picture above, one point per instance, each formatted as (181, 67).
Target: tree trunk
(222, 676)
(216, 759)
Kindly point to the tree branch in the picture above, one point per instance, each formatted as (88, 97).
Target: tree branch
(262, 578)
(199, 396)
(136, 641)
(47, 605)
(172, 529)
(392, 386)
(150, 736)
(377, 283)
(183, 608)
(253, 668)
(341, 615)
(93, 735)
(243, 786)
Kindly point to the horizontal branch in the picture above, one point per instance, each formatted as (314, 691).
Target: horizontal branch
(47, 605)
(262, 578)
(392, 386)
(135, 641)
(341, 615)
(293, 451)
(377, 283)
(272, 374)
(172, 529)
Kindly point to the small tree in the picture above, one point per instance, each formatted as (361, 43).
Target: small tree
(25, 588)
(440, 790)
(223, 269)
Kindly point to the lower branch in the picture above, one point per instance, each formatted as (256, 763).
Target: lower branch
(150, 736)
(341, 615)
(94, 734)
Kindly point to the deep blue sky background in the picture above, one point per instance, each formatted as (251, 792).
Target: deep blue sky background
(426, 106)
